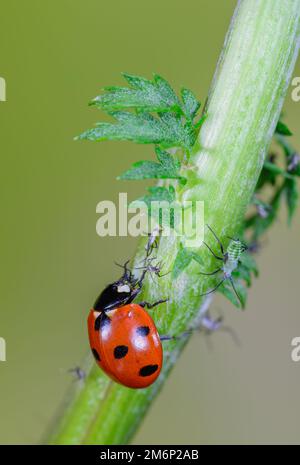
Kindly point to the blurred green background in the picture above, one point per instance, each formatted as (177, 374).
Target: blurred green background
(55, 56)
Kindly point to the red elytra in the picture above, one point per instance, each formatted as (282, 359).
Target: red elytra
(127, 345)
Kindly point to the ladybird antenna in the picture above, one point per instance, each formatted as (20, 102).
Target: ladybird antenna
(127, 272)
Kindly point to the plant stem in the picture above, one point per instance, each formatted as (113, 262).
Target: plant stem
(243, 108)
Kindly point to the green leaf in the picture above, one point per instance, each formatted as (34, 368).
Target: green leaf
(180, 135)
(292, 197)
(158, 194)
(171, 127)
(146, 170)
(243, 273)
(167, 168)
(143, 128)
(197, 258)
(248, 262)
(190, 103)
(282, 129)
(143, 95)
(168, 162)
(276, 170)
(167, 94)
(267, 176)
(285, 145)
(199, 123)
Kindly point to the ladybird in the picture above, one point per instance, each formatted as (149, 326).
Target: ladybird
(126, 345)
(123, 336)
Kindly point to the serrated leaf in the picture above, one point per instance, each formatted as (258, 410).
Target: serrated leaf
(168, 161)
(292, 197)
(167, 168)
(282, 129)
(167, 94)
(137, 82)
(142, 128)
(146, 170)
(199, 123)
(158, 194)
(172, 127)
(144, 95)
(185, 135)
(190, 103)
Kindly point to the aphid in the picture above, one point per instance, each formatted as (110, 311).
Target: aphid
(293, 162)
(152, 241)
(123, 337)
(79, 373)
(211, 325)
(230, 259)
(153, 268)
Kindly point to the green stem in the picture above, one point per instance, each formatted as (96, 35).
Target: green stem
(243, 108)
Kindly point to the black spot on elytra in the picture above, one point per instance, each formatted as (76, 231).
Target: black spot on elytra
(143, 330)
(96, 355)
(148, 370)
(120, 351)
(101, 321)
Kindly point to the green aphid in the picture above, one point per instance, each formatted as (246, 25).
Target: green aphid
(230, 259)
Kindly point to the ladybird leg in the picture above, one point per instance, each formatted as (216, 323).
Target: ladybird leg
(148, 305)
(133, 295)
(127, 272)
